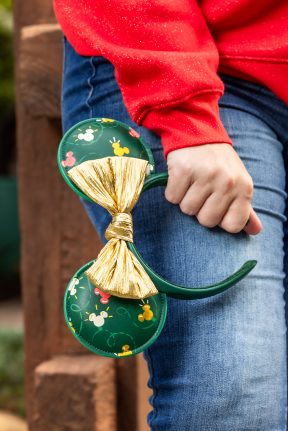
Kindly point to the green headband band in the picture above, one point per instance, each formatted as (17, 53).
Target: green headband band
(93, 157)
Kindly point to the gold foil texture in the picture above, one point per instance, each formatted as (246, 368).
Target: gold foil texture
(115, 183)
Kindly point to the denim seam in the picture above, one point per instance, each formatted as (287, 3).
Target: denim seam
(286, 407)
(155, 391)
(91, 87)
(64, 65)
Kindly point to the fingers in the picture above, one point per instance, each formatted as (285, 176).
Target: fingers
(232, 218)
(236, 216)
(177, 186)
(214, 209)
(226, 210)
(195, 198)
(212, 183)
(254, 226)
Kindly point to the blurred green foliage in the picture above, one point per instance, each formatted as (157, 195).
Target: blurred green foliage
(12, 372)
(9, 248)
(6, 56)
(6, 4)
(11, 342)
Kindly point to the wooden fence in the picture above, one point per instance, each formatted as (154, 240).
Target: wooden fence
(67, 388)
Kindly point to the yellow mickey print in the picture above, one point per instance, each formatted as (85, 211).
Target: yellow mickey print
(125, 350)
(107, 120)
(147, 313)
(118, 150)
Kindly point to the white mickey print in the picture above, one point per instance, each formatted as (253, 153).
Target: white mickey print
(72, 285)
(149, 169)
(98, 320)
(87, 136)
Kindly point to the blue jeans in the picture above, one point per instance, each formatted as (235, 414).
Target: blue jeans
(220, 362)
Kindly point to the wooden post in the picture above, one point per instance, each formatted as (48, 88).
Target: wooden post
(57, 238)
(74, 393)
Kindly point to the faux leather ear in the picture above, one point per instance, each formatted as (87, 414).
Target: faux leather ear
(96, 138)
(109, 325)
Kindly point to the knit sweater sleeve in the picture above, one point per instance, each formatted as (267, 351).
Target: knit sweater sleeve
(165, 63)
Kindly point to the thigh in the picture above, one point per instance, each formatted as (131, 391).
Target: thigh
(219, 363)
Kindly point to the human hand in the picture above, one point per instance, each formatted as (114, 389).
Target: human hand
(211, 182)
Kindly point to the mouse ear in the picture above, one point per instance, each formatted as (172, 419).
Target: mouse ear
(97, 138)
(125, 329)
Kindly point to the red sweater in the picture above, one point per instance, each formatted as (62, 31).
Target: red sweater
(166, 55)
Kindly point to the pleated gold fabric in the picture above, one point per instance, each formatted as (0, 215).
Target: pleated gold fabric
(115, 183)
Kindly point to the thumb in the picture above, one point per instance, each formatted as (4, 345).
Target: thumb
(254, 226)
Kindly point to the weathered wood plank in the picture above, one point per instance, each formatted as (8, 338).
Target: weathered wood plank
(74, 393)
(47, 226)
(143, 393)
(30, 13)
(40, 69)
(57, 237)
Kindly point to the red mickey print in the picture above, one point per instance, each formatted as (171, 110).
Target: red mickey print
(70, 160)
(104, 296)
(133, 133)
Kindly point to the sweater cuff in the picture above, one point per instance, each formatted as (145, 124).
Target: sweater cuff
(193, 122)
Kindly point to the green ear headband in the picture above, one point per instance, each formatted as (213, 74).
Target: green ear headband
(111, 309)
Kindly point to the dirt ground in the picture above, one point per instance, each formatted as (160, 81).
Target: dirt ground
(11, 318)
(11, 315)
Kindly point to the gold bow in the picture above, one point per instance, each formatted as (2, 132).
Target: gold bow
(115, 183)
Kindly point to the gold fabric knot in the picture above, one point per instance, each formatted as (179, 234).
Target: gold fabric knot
(121, 227)
(115, 183)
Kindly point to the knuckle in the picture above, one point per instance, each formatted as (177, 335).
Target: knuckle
(248, 188)
(184, 169)
(186, 209)
(170, 196)
(211, 172)
(205, 221)
(231, 227)
(229, 182)
(177, 168)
